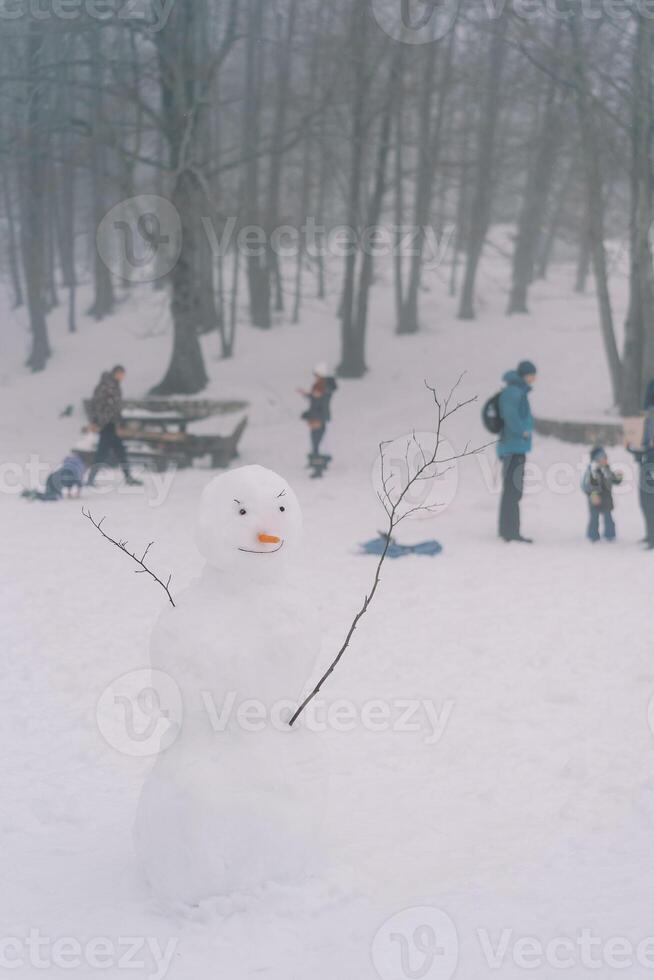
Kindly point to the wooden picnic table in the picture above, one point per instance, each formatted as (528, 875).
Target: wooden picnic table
(157, 437)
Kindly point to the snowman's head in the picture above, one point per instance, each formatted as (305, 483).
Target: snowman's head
(249, 520)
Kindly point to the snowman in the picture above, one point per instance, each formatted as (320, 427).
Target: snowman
(236, 800)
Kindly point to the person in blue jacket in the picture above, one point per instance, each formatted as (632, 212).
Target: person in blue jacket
(513, 446)
(645, 456)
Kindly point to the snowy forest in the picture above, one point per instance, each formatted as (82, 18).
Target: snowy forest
(326, 489)
(269, 125)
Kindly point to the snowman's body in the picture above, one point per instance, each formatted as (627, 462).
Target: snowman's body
(222, 642)
(236, 800)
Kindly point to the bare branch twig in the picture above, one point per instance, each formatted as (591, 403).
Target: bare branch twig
(393, 507)
(122, 546)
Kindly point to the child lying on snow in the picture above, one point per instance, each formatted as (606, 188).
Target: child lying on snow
(599, 480)
(69, 476)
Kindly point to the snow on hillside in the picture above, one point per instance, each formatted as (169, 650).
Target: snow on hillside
(522, 804)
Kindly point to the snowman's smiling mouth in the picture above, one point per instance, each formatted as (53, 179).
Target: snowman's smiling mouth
(251, 551)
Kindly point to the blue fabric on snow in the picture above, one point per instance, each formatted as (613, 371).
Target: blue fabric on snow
(395, 550)
(516, 416)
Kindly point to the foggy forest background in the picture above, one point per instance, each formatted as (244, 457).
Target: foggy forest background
(267, 113)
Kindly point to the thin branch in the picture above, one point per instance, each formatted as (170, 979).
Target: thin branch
(394, 515)
(122, 546)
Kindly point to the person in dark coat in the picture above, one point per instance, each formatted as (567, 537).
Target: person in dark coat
(645, 457)
(68, 478)
(513, 446)
(598, 482)
(106, 408)
(318, 414)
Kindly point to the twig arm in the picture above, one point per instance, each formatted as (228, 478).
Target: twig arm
(444, 411)
(122, 546)
(355, 622)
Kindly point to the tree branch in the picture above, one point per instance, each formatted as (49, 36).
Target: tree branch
(122, 546)
(444, 410)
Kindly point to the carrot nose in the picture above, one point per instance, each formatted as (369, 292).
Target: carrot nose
(268, 539)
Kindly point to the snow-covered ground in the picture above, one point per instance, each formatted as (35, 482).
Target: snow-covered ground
(520, 805)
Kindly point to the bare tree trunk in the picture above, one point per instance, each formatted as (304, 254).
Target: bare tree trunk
(65, 202)
(428, 153)
(204, 268)
(283, 69)
(307, 163)
(228, 325)
(408, 319)
(583, 258)
(352, 364)
(485, 178)
(555, 219)
(12, 245)
(204, 272)
(220, 257)
(321, 204)
(398, 264)
(104, 300)
(228, 350)
(186, 373)
(590, 152)
(638, 358)
(304, 207)
(257, 268)
(375, 207)
(221, 289)
(534, 204)
(49, 244)
(33, 170)
(161, 190)
(65, 198)
(179, 72)
(461, 212)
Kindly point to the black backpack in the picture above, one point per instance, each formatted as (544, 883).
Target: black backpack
(491, 415)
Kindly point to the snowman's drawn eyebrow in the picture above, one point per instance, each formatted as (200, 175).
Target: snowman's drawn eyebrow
(282, 494)
(237, 501)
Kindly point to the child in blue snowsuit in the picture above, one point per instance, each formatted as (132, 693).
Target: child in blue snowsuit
(69, 477)
(598, 482)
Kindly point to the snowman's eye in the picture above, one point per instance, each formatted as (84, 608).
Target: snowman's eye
(242, 512)
(282, 509)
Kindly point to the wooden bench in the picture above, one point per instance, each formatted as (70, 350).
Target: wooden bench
(586, 432)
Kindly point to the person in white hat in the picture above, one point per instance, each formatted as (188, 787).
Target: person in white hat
(318, 414)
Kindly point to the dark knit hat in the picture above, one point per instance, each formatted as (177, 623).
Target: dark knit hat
(526, 367)
(597, 452)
